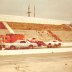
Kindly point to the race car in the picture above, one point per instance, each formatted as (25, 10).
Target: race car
(54, 44)
(20, 44)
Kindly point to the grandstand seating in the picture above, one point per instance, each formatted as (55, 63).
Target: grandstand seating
(40, 31)
(64, 35)
(35, 34)
(32, 26)
(45, 36)
(43, 31)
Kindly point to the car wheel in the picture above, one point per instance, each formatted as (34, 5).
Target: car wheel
(59, 45)
(30, 46)
(12, 47)
(49, 45)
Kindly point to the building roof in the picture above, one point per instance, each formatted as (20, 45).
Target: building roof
(12, 18)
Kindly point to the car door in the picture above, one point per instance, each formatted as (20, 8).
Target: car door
(24, 44)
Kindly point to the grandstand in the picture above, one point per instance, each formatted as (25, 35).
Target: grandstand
(64, 35)
(34, 26)
(42, 31)
(40, 35)
(37, 28)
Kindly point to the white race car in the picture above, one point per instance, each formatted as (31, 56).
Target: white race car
(54, 44)
(20, 44)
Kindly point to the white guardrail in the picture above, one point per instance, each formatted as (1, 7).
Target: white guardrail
(34, 51)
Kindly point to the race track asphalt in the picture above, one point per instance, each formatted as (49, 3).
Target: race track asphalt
(51, 62)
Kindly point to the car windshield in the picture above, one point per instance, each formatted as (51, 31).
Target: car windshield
(54, 41)
(22, 41)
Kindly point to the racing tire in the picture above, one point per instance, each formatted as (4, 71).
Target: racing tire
(12, 47)
(49, 45)
(30, 47)
(59, 45)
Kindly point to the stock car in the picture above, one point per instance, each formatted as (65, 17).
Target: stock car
(20, 44)
(54, 44)
(38, 42)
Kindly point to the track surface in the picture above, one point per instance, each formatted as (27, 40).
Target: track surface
(51, 62)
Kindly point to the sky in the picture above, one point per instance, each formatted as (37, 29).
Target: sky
(50, 9)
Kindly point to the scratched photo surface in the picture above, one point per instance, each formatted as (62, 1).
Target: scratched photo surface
(35, 36)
